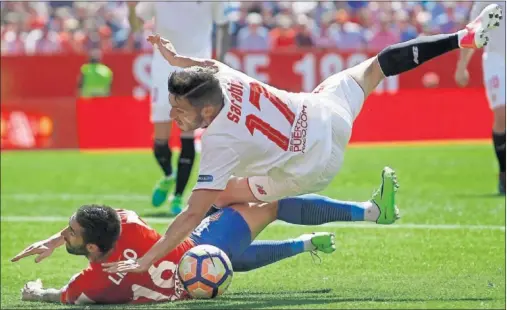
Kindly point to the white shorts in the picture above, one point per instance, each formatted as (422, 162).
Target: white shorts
(346, 98)
(494, 79)
(160, 72)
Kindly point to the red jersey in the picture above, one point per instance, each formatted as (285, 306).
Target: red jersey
(160, 283)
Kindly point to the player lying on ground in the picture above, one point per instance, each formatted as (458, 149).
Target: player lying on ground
(94, 231)
(275, 143)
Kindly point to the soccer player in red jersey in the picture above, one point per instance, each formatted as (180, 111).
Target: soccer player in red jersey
(103, 234)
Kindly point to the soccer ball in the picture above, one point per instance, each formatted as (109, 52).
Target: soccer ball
(205, 271)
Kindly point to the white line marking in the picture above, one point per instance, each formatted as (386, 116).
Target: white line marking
(157, 220)
(75, 197)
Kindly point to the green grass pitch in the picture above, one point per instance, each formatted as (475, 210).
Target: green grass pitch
(448, 250)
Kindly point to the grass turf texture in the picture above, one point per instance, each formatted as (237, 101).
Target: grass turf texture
(409, 267)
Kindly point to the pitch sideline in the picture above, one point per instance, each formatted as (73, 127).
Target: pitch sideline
(156, 220)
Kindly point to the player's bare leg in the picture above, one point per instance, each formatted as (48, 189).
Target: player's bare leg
(163, 155)
(236, 191)
(405, 56)
(499, 144)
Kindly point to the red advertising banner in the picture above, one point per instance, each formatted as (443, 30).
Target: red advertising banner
(412, 114)
(38, 124)
(38, 99)
(302, 70)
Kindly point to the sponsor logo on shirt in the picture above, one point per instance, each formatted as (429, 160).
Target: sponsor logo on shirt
(204, 178)
(260, 189)
(298, 136)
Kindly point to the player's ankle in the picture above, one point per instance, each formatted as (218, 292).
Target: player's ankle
(371, 211)
(306, 239)
(461, 34)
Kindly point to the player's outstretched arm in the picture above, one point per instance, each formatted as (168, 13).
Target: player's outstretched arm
(198, 204)
(33, 291)
(42, 248)
(168, 51)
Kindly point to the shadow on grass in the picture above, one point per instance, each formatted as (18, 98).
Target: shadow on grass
(253, 300)
(160, 214)
(264, 300)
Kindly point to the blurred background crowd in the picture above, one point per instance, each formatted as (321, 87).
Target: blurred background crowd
(54, 27)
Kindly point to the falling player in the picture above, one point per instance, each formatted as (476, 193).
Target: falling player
(262, 144)
(493, 68)
(196, 19)
(103, 234)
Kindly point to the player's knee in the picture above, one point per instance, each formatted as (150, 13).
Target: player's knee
(367, 74)
(272, 212)
(499, 119)
(162, 130)
(187, 135)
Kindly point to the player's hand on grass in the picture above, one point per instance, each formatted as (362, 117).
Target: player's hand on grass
(42, 249)
(31, 290)
(128, 266)
(462, 77)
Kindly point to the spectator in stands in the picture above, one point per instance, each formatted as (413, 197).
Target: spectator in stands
(253, 37)
(349, 35)
(332, 24)
(327, 29)
(407, 30)
(43, 41)
(304, 27)
(384, 36)
(12, 40)
(283, 36)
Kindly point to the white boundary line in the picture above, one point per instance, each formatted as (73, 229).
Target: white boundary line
(138, 197)
(157, 220)
(74, 197)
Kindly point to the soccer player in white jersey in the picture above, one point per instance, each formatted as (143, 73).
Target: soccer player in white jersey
(493, 68)
(188, 24)
(263, 144)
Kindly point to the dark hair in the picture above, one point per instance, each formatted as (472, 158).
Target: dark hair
(101, 225)
(197, 84)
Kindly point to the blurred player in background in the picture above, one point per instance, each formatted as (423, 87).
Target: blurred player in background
(188, 24)
(493, 67)
(263, 144)
(103, 234)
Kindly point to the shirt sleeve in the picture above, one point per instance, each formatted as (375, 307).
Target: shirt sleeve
(216, 167)
(83, 288)
(219, 12)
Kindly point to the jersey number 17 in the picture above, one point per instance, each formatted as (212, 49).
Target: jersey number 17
(253, 122)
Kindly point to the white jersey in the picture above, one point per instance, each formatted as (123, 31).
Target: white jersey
(187, 24)
(496, 42)
(264, 131)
